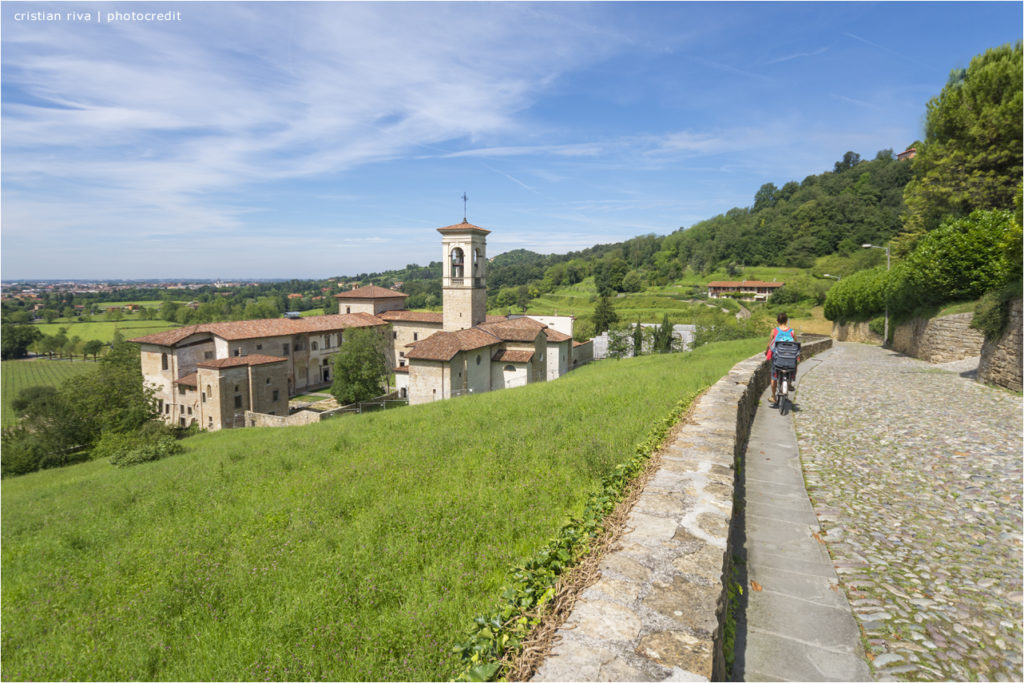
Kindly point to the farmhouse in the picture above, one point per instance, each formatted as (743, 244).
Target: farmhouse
(211, 374)
(748, 289)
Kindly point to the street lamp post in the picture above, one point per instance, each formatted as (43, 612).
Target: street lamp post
(885, 338)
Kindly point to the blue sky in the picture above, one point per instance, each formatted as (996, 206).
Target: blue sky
(266, 140)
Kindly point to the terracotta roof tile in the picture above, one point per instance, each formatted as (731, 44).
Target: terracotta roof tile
(516, 329)
(169, 337)
(236, 361)
(444, 345)
(463, 226)
(555, 335)
(412, 316)
(271, 327)
(371, 292)
(512, 356)
(189, 380)
(745, 283)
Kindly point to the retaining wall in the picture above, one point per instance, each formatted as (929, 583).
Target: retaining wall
(1001, 361)
(938, 340)
(855, 332)
(658, 610)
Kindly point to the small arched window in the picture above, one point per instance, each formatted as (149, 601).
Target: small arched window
(163, 361)
(478, 359)
(314, 346)
(510, 368)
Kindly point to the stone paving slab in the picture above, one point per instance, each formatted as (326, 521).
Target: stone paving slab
(917, 486)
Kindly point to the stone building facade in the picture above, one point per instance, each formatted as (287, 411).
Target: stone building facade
(190, 367)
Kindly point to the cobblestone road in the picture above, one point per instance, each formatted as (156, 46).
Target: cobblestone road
(915, 474)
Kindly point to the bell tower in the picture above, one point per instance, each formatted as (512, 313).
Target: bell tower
(464, 273)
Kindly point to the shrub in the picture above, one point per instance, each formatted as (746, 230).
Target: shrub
(991, 315)
(132, 448)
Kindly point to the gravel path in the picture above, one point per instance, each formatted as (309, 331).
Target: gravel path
(914, 472)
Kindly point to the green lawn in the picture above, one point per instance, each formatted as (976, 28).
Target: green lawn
(104, 331)
(19, 374)
(355, 549)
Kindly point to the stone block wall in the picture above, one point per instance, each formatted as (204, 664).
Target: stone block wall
(938, 340)
(658, 611)
(855, 332)
(1001, 361)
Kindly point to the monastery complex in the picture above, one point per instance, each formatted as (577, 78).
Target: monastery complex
(211, 374)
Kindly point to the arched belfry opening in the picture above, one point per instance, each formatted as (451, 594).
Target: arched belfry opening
(458, 263)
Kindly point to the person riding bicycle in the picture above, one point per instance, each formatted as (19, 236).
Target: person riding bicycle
(783, 332)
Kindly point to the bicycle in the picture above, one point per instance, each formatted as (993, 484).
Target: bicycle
(784, 360)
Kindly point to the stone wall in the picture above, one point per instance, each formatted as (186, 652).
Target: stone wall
(938, 340)
(855, 332)
(1001, 361)
(658, 610)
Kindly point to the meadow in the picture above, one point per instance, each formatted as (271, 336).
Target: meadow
(104, 330)
(16, 375)
(354, 549)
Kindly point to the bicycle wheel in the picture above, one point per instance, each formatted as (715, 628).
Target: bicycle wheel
(784, 394)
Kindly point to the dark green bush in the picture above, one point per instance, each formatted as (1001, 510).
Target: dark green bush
(992, 312)
(132, 448)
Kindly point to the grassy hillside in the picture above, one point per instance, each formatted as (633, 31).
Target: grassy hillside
(356, 549)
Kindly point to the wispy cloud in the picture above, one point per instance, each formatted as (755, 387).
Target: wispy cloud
(859, 103)
(797, 55)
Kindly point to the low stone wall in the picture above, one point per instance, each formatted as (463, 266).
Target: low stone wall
(658, 611)
(1001, 361)
(303, 417)
(855, 332)
(938, 340)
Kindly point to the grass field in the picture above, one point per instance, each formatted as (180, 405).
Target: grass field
(16, 375)
(104, 331)
(356, 549)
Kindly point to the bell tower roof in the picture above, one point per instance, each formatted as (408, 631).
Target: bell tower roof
(463, 227)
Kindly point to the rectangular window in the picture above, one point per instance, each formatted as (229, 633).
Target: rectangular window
(204, 397)
(259, 347)
(284, 348)
(238, 352)
(163, 361)
(207, 355)
(238, 401)
(277, 394)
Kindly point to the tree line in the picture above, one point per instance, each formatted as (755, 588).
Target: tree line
(960, 236)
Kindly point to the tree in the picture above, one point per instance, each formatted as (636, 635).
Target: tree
(604, 314)
(971, 157)
(92, 348)
(638, 339)
(15, 339)
(618, 344)
(360, 366)
(663, 336)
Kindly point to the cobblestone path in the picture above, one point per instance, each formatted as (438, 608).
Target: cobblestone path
(915, 475)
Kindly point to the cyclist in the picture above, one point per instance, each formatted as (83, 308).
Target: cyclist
(783, 332)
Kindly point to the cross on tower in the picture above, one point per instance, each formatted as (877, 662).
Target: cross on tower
(464, 200)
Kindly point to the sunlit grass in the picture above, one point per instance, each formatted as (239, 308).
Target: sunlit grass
(355, 549)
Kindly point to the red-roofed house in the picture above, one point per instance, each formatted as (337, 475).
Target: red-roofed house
(750, 289)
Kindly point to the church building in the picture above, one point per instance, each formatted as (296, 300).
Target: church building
(212, 374)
